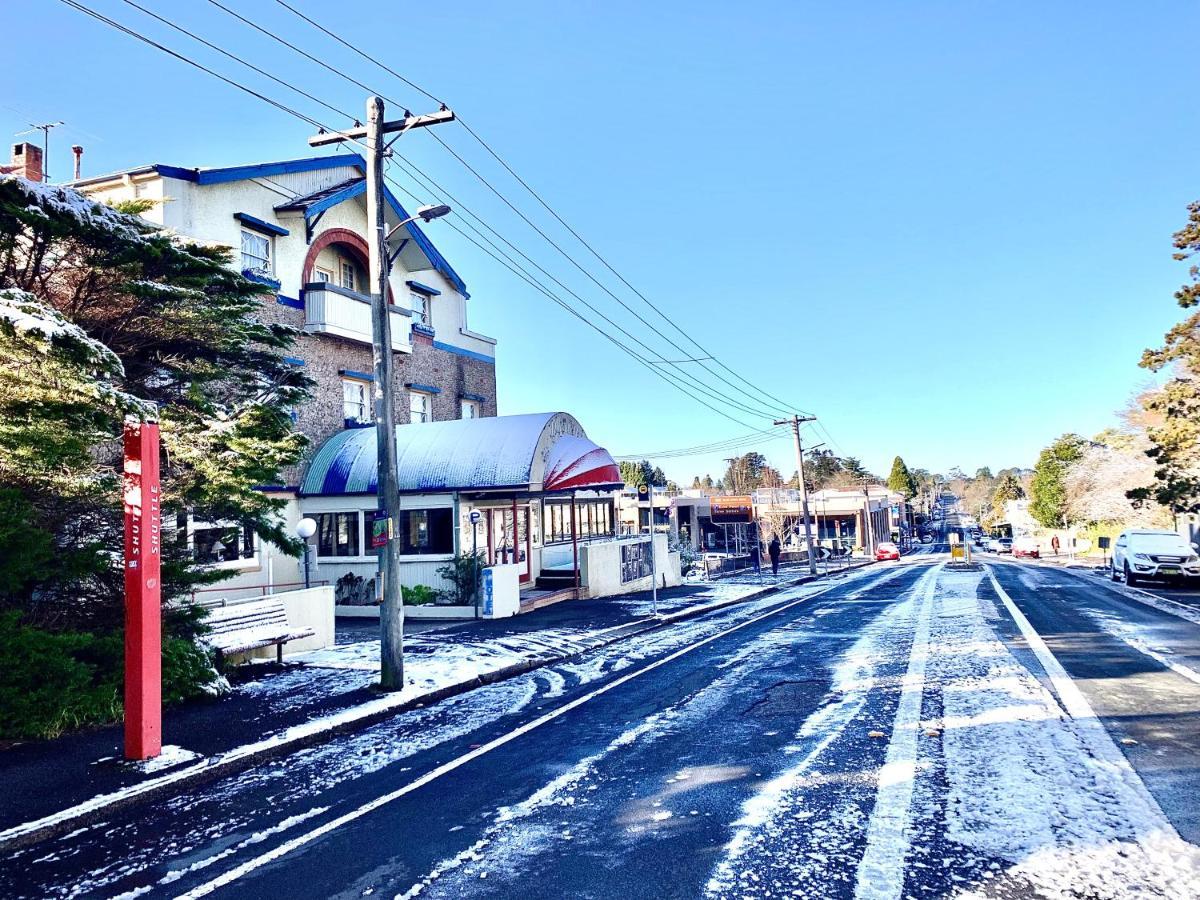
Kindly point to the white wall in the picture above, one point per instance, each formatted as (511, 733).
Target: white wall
(600, 568)
(312, 608)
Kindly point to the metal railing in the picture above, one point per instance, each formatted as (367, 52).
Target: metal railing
(264, 590)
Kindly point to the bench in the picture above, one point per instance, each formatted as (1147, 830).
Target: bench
(237, 626)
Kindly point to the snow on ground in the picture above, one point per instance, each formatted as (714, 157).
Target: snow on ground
(782, 840)
(1049, 795)
(1010, 795)
(1145, 640)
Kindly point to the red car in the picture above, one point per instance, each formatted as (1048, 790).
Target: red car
(886, 550)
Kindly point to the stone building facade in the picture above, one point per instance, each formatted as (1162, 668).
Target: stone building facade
(300, 226)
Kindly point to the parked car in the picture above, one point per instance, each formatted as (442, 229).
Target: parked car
(992, 545)
(1026, 547)
(1154, 554)
(887, 550)
(1004, 545)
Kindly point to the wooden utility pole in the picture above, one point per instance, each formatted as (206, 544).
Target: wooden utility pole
(795, 421)
(391, 612)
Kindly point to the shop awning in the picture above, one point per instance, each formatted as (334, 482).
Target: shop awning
(535, 452)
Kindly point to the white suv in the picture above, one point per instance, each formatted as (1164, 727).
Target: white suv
(1154, 554)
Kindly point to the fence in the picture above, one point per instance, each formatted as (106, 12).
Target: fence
(255, 590)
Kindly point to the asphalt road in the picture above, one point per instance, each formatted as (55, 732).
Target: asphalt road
(895, 733)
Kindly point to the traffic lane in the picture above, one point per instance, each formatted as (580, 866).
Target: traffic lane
(242, 813)
(397, 845)
(1152, 711)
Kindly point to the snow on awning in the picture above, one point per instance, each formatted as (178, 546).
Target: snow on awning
(536, 452)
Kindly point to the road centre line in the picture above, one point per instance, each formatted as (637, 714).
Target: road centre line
(1092, 730)
(299, 841)
(881, 868)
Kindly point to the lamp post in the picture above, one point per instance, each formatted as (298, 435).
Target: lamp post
(305, 529)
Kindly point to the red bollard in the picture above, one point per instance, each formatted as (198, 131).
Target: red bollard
(143, 592)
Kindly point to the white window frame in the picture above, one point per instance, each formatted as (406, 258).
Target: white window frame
(322, 274)
(368, 402)
(426, 411)
(473, 405)
(349, 275)
(258, 263)
(422, 308)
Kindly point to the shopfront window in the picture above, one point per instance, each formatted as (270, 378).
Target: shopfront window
(337, 534)
(424, 531)
(593, 518)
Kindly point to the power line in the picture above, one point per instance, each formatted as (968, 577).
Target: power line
(764, 410)
(345, 43)
(710, 391)
(507, 261)
(731, 444)
(784, 406)
(191, 62)
(301, 116)
(238, 59)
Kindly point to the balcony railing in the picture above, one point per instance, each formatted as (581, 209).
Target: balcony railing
(333, 310)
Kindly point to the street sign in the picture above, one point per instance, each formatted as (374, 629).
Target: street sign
(643, 493)
(1103, 542)
(474, 516)
(488, 593)
(143, 592)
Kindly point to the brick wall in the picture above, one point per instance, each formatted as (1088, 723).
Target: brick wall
(326, 357)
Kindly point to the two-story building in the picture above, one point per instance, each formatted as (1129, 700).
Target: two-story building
(300, 226)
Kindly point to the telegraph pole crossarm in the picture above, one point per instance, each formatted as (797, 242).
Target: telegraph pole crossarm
(795, 422)
(391, 612)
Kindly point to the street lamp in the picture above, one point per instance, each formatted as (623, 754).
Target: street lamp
(305, 529)
(425, 214)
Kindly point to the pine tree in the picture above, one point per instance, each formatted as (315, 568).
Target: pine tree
(1047, 491)
(134, 320)
(1175, 443)
(901, 480)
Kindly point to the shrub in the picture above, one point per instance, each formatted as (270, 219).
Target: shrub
(54, 682)
(418, 595)
(464, 573)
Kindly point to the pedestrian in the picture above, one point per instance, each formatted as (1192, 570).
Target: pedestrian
(773, 551)
(756, 557)
(1054, 545)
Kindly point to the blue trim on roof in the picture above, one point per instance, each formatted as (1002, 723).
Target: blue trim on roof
(346, 193)
(289, 301)
(259, 225)
(283, 167)
(294, 361)
(460, 351)
(362, 376)
(423, 388)
(419, 328)
(423, 288)
(275, 488)
(478, 398)
(439, 262)
(176, 172)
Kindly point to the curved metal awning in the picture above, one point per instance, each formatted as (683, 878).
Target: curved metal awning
(535, 452)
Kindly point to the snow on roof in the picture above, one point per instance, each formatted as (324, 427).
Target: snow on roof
(538, 451)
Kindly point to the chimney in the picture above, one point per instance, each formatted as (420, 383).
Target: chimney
(26, 161)
(78, 151)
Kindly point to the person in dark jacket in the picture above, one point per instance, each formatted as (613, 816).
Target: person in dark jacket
(773, 551)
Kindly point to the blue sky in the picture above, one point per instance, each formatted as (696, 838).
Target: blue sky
(942, 227)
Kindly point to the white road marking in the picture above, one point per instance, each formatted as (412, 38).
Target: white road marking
(881, 868)
(299, 841)
(1091, 729)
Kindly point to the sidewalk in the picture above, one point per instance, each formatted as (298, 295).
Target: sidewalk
(59, 785)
